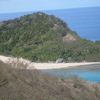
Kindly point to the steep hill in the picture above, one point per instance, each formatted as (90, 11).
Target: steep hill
(42, 37)
(20, 84)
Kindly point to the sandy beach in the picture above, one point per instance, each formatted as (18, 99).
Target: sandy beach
(42, 66)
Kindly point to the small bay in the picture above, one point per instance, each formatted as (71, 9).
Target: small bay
(89, 73)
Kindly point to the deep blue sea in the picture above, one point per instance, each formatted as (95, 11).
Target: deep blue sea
(88, 74)
(84, 21)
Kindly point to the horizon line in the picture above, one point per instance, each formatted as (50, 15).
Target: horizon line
(50, 9)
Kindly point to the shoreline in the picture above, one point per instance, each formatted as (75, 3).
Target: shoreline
(42, 66)
(45, 66)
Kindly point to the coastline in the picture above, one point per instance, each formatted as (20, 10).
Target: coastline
(42, 66)
(45, 66)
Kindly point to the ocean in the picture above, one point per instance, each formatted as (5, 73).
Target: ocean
(90, 73)
(84, 21)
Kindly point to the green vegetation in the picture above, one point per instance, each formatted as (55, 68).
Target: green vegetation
(20, 84)
(39, 37)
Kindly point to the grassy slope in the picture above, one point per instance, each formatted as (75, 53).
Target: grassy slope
(39, 37)
(33, 85)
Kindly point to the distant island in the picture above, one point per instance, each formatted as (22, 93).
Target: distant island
(45, 38)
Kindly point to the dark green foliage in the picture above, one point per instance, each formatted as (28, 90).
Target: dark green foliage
(39, 37)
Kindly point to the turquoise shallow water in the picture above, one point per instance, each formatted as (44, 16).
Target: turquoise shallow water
(92, 75)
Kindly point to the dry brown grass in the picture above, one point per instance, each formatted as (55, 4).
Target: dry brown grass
(19, 84)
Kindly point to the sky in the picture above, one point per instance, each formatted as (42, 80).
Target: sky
(9, 6)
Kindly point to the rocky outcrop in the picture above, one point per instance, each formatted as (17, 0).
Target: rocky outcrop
(60, 60)
(69, 38)
(15, 62)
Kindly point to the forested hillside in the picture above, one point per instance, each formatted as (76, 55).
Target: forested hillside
(42, 37)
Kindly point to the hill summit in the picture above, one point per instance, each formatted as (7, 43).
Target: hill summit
(42, 37)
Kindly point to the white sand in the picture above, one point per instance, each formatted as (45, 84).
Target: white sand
(40, 66)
